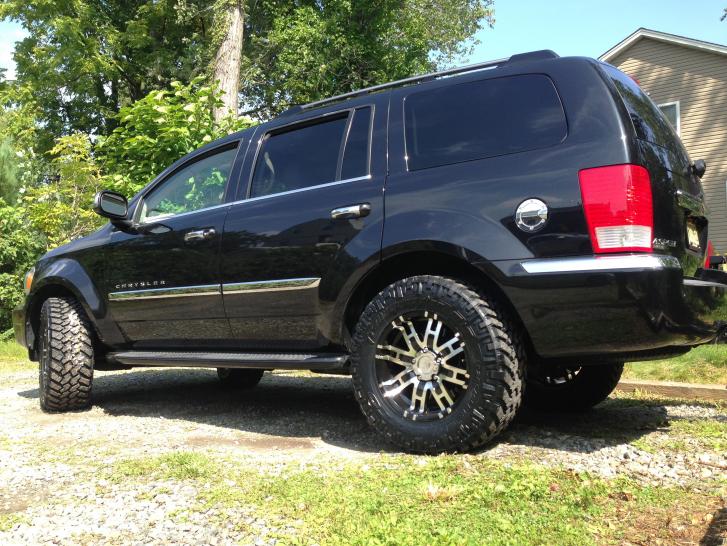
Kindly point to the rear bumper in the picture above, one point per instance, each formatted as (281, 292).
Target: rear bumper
(623, 306)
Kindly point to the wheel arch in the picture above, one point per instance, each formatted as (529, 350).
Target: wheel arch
(428, 258)
(63, 278)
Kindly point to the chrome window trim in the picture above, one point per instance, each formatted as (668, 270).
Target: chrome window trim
(289, 192)
(273, 285)
(600, 263)
(237, 202)
(172, 292)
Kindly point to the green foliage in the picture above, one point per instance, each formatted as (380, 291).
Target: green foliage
(85, 58)
(160, 128)
(8, 171)
(704, 364)
(317, 49)
(19, 248)
(19, 127)
(61, 208)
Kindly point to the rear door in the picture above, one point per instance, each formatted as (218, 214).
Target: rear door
(163, 282)
(311, 212)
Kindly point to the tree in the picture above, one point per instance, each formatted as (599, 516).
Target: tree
(226, 72)
(301, 51)
(86, 58)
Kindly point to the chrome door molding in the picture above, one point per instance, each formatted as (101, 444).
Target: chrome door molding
(271, 285)
(159, 293)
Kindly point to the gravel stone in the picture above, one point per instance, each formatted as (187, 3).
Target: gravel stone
(52, 466)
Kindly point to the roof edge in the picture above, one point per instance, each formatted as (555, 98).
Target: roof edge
(662, 37)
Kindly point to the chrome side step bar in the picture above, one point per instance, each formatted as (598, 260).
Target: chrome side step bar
(266, 361)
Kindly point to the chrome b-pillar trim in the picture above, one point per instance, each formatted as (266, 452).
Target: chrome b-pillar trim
(271, 285)
(173, 292)
(600, 263)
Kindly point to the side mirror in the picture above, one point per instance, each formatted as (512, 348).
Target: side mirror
(113, 206)
(110, 205)
(699, 167)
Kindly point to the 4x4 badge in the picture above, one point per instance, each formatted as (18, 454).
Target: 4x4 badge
(531, 215)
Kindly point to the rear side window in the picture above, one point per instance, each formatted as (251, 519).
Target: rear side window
(649, 122)
(298, 158)
(482, 119)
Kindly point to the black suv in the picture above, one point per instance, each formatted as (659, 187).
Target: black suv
(455, 241)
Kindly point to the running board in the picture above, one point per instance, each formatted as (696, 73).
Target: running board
(265, 361)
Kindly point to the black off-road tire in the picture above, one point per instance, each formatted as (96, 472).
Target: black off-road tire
(495, 364)
(589, 386)
(239, 378)
(66, 356)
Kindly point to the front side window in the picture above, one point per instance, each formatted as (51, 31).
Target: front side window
(479, 119)
(196, 186)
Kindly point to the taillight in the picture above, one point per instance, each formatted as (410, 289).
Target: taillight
(618, 207)
(710, 252)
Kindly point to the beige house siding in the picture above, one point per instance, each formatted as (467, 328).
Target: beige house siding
(698, 81)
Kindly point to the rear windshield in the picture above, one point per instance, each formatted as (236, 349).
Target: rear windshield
(649, 122)
(482, 119)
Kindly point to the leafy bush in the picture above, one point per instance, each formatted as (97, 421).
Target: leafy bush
(19, 248)
(159, 129)
(61, 207)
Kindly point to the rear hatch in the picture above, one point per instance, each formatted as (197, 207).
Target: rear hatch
(680, 223)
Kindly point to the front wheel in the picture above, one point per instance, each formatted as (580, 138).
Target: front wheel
(574, 388)
(66, 356)
(435, 366)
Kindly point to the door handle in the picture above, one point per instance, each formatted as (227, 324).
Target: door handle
(199, 235)
(352, 211)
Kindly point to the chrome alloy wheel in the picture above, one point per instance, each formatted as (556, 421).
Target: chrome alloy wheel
(421, 366)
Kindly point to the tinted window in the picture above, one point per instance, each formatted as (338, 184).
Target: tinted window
(299, 158)
(198, 185)
(482, 119)
(356, 155)
(649, 122)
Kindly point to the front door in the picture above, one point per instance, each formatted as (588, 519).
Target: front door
(163, 282)
(312, 212)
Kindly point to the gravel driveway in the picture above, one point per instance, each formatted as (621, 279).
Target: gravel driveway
(55, 485)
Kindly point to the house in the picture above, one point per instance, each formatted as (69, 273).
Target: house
(687, 79)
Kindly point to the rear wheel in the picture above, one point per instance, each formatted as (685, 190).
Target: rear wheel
(574, 388)
(435, 366)
(239, 379)
(66, 356)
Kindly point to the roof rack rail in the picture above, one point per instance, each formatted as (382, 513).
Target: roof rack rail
(532, 56)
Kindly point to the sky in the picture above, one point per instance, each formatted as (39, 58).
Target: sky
(592, 27)
(568, 27)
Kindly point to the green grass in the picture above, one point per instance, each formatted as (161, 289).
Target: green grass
(402, 499)
(13, 357)
(8, 521)
(705, 364)
(178, 465)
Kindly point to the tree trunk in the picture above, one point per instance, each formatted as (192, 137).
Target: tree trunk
(228, 58)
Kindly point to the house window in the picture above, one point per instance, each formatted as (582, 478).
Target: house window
(671, 111)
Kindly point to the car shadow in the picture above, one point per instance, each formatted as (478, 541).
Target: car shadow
(716, 533)
(291, 406)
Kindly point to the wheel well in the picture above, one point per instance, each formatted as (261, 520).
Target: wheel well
(48, 291)
(427, 263)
